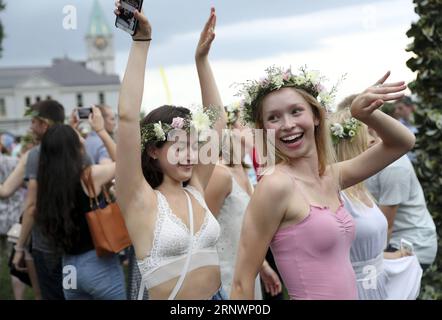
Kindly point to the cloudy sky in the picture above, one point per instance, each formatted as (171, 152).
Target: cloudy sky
(360, 38)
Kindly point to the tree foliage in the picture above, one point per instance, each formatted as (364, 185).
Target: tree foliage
(2, 7)
(427, 63)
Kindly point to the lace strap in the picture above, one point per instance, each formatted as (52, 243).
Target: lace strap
(197, 195)
(189, 253)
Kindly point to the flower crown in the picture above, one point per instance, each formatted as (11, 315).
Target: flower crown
(276, 78)
(199, 120)
(346, 130)
(233, 112)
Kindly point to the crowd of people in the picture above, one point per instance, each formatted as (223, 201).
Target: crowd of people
(326, 220)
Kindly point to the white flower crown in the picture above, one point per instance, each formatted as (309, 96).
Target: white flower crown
(199, 120)
(276, 78)
(346, 130)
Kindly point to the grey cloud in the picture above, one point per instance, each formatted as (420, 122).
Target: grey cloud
(35, 34)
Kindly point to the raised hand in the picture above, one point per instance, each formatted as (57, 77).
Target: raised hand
(73, 119)
(375, 96)
(207, 36)
(96, 119)
(144, 29)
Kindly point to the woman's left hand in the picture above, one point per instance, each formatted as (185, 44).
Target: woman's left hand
(375, 96)
(207, 36)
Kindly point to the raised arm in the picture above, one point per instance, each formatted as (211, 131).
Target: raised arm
(134, 193)
(97, 123)
(15, 179)
(396, 138)
(218, 189)
(261, 221)
(210, 95)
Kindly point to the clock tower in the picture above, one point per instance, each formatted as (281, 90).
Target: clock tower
(99, 42)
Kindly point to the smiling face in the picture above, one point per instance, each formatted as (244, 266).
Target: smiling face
(288, 113)
(176, 159)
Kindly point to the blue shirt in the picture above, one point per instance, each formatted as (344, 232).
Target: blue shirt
(95, 148)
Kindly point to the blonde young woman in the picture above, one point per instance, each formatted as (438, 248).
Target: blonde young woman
(227, 195)
(296, 209)
(380, 275)
(173, 232)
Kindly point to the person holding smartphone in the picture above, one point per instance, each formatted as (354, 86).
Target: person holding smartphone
(163, 202)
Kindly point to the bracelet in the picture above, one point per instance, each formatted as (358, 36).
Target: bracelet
(19, 249)
(147, 39)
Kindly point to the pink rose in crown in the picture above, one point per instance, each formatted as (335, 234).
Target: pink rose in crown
(264, 82)
(286, 75)
(177, 123)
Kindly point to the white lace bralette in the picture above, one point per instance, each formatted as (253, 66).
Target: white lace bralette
(171, 243)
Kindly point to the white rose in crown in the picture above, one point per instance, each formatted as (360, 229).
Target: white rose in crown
(159, 132)
(200, 121)
(337, 130)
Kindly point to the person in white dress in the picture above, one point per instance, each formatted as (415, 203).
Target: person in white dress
(227, 195)
(380, 275)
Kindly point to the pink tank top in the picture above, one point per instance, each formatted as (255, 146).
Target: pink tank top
(313, 256)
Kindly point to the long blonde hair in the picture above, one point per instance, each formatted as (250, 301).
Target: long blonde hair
(324, 146)
(349, 148)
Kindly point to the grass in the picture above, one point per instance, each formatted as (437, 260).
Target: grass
(6, 292)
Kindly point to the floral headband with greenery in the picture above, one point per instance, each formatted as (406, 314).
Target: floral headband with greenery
(346, 130)
(233, 112)
(276, 78)
(201, 121)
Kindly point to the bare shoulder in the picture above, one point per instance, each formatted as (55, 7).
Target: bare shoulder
(275, 186)
(221, 171)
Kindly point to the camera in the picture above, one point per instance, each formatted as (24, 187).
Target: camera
(83, 113)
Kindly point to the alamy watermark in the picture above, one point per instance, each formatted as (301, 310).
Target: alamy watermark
(70, 21)
(230, 148)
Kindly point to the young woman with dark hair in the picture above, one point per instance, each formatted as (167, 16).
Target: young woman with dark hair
(62, 203)
(163, 201)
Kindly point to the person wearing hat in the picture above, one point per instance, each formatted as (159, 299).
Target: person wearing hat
(44, 114)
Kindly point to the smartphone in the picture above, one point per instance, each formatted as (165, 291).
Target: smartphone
(83, 113)
(126, 19)
(407, 246)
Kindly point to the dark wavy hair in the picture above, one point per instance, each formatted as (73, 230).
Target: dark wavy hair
(151, 168)
(59, 174)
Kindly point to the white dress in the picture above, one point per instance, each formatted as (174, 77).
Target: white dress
(230, 220)
(378, 278)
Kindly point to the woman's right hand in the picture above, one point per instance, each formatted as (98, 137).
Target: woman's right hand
(374, 97)
(144, 30)
(96, 119)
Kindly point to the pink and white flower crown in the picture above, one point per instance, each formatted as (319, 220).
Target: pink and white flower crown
(276, 78)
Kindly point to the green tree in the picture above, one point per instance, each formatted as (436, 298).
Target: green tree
(427, 63)
(2, 7)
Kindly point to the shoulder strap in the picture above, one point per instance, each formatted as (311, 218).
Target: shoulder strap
(295, 182)
(189, 253)
(197, 195)
(89, 184)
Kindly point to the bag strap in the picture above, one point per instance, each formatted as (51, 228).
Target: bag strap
(189, 253)
(89, 184)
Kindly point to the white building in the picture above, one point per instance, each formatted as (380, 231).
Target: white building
(72, 83)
